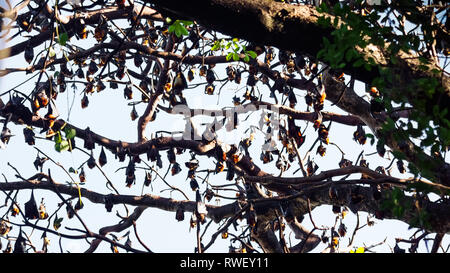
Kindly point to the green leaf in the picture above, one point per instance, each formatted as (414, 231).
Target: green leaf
(398, 211)
(216, 46)
(371, 61)
(372, 138)
(322, 8)
(413, 169)
(324, 21)
(349, 55)
(252, 54)
(177, 31)
(178, 28)
(321, 53)
(394, 60)
(229, 56)
(235, 56)
(171, 28)
(63, 38)
(70, 132)
(436, 71)
(58, 138)
(58, 147)
(335, 21)
(389, 125)
(62, 146)
(184, 31)
(246, 58)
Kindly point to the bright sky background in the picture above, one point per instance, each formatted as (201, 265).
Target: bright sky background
(109, 115)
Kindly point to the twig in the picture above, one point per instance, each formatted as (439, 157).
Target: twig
(165, 182)
(310, 216)
(138, 238)
(225, 227)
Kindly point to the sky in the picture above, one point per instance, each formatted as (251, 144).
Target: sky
(109, 115)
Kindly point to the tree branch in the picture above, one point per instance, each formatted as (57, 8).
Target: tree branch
(70, 22)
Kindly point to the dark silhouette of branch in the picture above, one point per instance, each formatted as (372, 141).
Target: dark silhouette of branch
(129, 221)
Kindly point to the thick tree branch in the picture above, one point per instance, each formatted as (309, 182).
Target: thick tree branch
(309, 241)
(128, 222)
(216, 213)
(266, 238)
(373, 178)
(281, 109)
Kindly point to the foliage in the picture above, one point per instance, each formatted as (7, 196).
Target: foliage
(384, 26)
